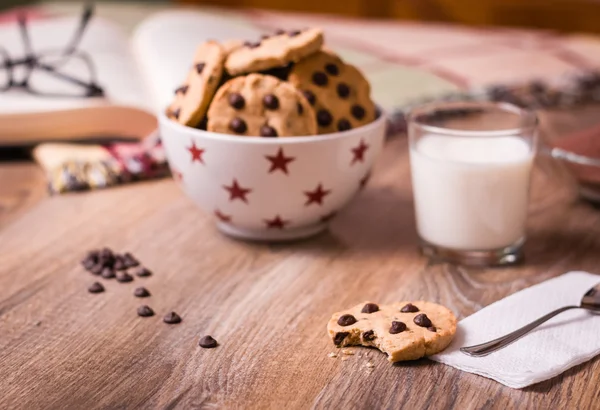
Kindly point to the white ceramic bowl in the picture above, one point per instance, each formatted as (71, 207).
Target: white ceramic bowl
(271, 188)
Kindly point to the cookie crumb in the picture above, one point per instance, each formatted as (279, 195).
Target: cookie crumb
(344, 358)
(347, 352)
(332, 355)
(370, 365)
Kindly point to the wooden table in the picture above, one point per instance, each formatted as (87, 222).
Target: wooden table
(64, 348)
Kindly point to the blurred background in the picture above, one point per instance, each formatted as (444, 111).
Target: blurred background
(562, 15)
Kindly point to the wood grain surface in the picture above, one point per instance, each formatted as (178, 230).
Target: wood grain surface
(267, 305)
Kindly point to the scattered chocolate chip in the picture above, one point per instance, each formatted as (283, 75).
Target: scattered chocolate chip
(119, 263)
(264, 37)
(267, 131)
(172, 318)
(432, 329)
(175, 113)
(279, 32)
(368, 335)
(339, 338)
(143, 272)
(324, 118)
(370, 308)
(294, 33)
(271, 102)
(422, 320)
(320, 78)
(88, 263)
(96, 287)
(106, 257)
(238, 125)
(130, 261)
(343, 90)
(145, 311)
(208, 342)
(97, 269)
(237, 101)
(310, 97)
(358, 112)
(346, 320)
(409, 308)
(300, 108)
(124, 277)
(182, 89)
(108, 273)
(200, 67)
(332, 69)
(250, 44)
(343, 125)
(397, 327)
(141, 292)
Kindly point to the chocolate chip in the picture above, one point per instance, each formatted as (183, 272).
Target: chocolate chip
(97, 269)
(294, 33)
(358, 112)
(107, 273)
(106, 257)
(96, 287)
(130, 261)
(238, 126)
(124, 277)
(208, 342)
(267, 131)
(141, 292)
(143, 272)
(324, 118)
(409, 308)
(368, 335)
(320, 78)
(279, 32)
(175, 113)
(346, 320)
(265, 36)
(338, 339)
(88, 263)
(182, 89)
(172, 318)
(119, 263)
(332, 69)
(250, 44)
(397, 327)
(343, 125)
(200, 67)
(422, 320)
(370, 308)
(300, 108)
(343, 90)
(310, 97)
(236, 101)
(432, 329)
(271, 102)
(145, 311)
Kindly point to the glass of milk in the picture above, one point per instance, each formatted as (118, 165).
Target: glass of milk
(471, 167)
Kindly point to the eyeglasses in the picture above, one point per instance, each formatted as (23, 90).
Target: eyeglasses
(56, 73)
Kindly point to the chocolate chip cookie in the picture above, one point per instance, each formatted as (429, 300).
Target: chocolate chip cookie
(260, 105)
(339, 93)
(274, 51)
(404, 330)
(193, 97)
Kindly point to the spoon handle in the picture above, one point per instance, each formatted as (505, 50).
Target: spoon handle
(497, 344)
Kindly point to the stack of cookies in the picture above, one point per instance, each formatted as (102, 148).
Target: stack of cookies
(287, 84)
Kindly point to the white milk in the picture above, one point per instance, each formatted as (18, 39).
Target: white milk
(471, 193)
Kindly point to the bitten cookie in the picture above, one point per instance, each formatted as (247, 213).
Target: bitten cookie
(274, 51)
(404, 330)
(193, 97)
(260, 105)
(339, 93)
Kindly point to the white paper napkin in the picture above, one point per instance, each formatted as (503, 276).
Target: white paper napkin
(564, 341)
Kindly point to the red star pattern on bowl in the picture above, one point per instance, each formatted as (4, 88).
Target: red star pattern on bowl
(316, 196)
(196, 153)
(279, 161)
(359, 152)
(276, 223)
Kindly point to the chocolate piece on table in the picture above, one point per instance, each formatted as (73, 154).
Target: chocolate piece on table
(141, 292)
(143, 272)
(172, 318)
(124, 277)
(96, 287)
(108, 273)
(145, 311)
(208, 342)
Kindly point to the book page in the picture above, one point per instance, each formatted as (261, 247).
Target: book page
(164, 45)
(108, 48)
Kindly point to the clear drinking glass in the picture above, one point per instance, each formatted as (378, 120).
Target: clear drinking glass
(471, 168)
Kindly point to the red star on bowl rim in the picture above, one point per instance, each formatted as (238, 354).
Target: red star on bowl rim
(358, 152)
(276, 223)
(196, 153)
(279, 161)
(316, 196)
(237, 192)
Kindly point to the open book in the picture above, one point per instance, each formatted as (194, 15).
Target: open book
(138, 76)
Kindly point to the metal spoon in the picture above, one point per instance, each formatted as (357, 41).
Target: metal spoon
(590, 301)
